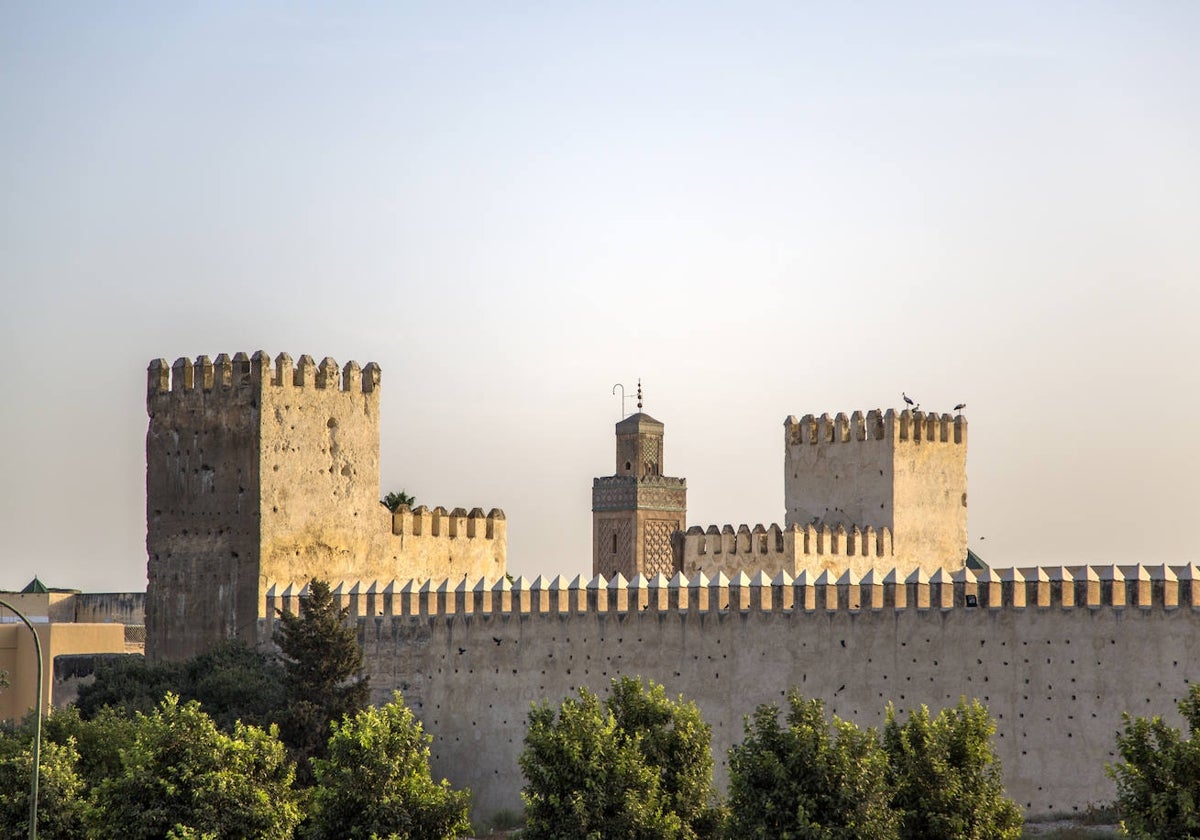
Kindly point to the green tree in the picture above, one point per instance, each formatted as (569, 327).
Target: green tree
(98, 740)
(637, 766)
(323, 678)
(808, 780)
(182, 777)
(130, 684)
(377, 783)
(673, 738)
(1158, 781)
(393, 500)
(946, 776)
(232, 681)
(62, 794)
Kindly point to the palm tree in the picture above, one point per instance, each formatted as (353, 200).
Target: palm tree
(393, 500)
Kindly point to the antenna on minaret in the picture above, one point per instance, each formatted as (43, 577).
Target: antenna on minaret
(639, 393)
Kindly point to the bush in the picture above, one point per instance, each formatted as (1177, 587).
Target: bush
(232, 681)
(182, 777)
(1158, 783)
(808, 781)
(637, 766)
(377, 783)
(62, 803)
(946, 777)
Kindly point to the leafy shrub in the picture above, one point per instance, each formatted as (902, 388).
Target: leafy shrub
(808, 780)
(377, 783)
(1158, 782)
(637, 766)
(946, 777)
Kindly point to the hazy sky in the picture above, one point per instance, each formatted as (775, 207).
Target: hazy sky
(761, 209)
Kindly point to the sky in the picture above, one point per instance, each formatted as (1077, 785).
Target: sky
(757, 208)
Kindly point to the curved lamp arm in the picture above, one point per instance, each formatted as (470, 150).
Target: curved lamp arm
(37, 731)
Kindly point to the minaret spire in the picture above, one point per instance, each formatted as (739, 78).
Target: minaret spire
(639, 393)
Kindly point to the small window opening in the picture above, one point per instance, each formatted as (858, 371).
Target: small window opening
(628, 466)
(614, 551)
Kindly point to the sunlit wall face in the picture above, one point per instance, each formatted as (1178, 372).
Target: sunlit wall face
(760, 210)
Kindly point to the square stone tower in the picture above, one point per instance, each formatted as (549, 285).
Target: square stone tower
(636, 510)
(906, 472)
(253, 474)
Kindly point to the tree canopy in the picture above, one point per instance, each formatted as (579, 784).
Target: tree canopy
(323, 676)
(393, 500)
(1158, 779)
(808, 780)
(636, 766)
(946, 776)
(182, 774)
(376, 782)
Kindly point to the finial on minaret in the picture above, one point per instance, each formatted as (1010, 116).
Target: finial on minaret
(639, 394)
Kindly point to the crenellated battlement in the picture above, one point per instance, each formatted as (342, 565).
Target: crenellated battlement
(792, 548)
(1062, 587)
(422, 521)
(876, 425)
(257, 371)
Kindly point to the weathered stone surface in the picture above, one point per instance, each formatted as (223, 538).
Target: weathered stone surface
(257, 472)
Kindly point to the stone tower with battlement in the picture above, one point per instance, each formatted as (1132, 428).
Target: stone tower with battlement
(636, 510)
(257, 472)
(903, 473)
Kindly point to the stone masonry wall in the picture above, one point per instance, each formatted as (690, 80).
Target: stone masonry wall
(1056, 654)
(202, 514)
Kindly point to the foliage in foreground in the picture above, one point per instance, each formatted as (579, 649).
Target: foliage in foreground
(1158, 779)
(173, 774)
(637, 766)
(946, 776)
(808, 780)
(62, 809)
(182, 774)
(232, 681)
(322, 674)
(377, 783)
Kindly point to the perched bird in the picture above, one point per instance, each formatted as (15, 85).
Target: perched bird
(960, 406)
(907, 398)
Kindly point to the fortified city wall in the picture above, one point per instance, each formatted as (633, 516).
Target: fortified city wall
(258, 471)
(1056, 654)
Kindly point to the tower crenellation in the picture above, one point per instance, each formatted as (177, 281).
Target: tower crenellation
(903, 472)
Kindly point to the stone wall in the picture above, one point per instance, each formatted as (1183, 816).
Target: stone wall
(1056, 654)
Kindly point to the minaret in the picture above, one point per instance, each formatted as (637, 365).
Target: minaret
(635, 511)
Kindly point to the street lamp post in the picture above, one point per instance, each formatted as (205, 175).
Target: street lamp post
(37, 730)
